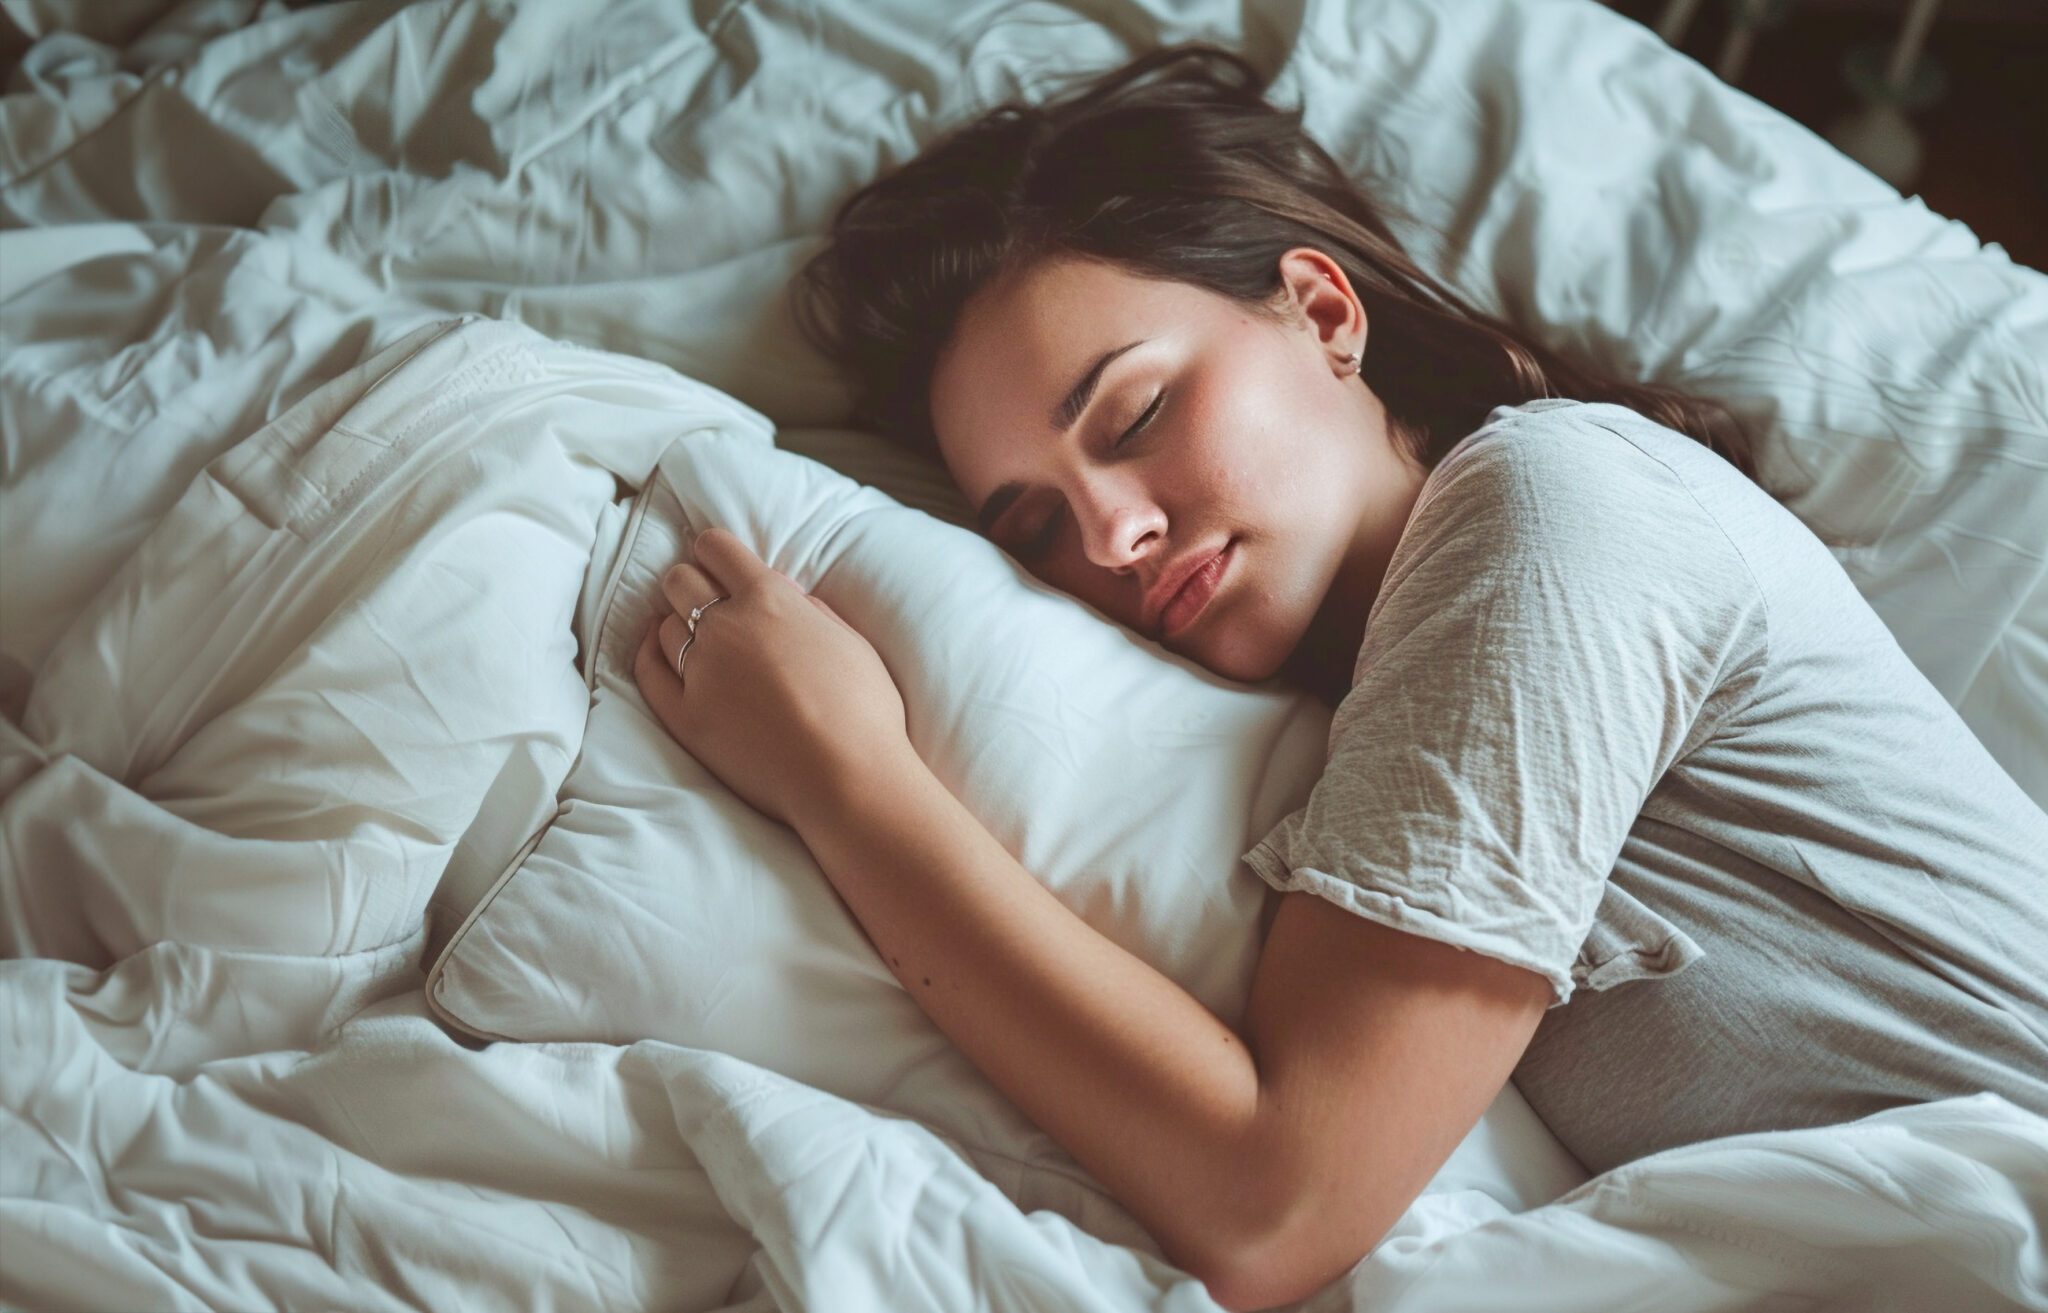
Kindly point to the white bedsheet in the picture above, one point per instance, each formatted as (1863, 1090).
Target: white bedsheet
(200, 1129)
(254, 1115)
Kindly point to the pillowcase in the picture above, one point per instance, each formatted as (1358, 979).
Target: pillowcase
(657, 905)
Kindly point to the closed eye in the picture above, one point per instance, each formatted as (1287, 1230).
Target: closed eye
(1141, 421)
(1040, 544)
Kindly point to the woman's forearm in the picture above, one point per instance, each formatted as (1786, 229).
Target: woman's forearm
(1133, 1076)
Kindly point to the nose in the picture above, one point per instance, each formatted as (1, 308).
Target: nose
(1120, 522)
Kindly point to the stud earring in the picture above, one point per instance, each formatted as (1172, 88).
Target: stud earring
(1350, 363)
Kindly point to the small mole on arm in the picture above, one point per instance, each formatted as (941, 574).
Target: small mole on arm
(927, 980)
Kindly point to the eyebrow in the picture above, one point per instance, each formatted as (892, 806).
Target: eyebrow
(1061, 417)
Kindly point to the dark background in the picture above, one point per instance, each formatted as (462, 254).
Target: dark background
(1986, 139)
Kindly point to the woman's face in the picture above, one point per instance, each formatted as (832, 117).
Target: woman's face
(1212, 477)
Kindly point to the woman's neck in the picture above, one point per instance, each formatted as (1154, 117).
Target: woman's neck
(1324, 659)
(1328, 653)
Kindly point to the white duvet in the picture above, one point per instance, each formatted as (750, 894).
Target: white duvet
(200, 1129)
(221, 1084)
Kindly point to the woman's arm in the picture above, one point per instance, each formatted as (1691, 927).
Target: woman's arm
(1265, 1164)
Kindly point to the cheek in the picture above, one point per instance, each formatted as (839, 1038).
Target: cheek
(1237, 458)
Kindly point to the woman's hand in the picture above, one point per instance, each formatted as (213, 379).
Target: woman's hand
(779, 698)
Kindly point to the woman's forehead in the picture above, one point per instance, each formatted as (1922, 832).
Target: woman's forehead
(1065, 302)
(1024, 342)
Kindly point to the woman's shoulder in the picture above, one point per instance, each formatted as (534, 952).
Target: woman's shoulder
(1559, 436)
(1563, 461)
(1592, 492)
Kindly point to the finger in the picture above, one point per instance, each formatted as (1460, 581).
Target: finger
(663, 693)
(673, 633)
(685, 587)
(731, 564)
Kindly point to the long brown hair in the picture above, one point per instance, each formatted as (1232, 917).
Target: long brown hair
(1176, 167)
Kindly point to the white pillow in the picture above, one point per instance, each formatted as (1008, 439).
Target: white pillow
(657, 905)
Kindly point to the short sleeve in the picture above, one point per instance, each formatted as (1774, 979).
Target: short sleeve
(1552, 628)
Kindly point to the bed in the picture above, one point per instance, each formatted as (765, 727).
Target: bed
(367, 946)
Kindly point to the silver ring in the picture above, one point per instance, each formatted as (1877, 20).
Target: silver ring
(697, 613)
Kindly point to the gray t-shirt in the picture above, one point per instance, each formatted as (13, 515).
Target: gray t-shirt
(1621, 719)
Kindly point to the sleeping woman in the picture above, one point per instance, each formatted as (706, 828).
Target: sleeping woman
(1630, 796)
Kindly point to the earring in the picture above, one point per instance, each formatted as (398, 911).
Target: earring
(1350, 363)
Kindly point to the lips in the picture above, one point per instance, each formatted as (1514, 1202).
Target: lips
(1183, 591)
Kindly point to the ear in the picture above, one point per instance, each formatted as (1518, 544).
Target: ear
(1314, 287)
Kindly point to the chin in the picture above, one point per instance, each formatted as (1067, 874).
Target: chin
(1232, 661)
